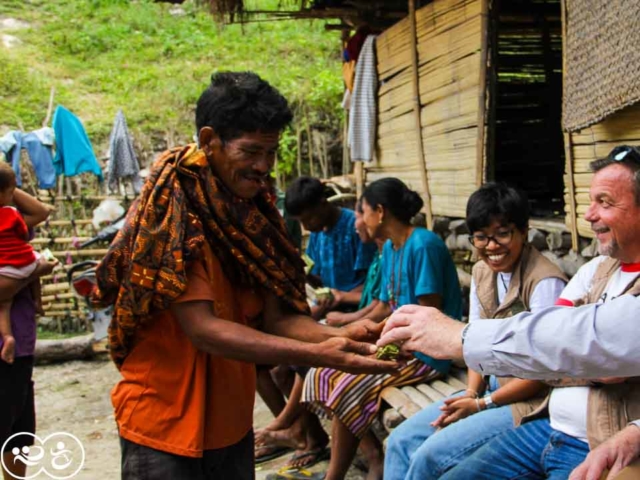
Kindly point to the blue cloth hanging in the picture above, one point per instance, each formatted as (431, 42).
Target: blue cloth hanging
(74, 153)
(38, 147)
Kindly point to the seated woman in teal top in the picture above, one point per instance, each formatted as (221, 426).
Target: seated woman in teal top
(370, 295)
(416, 268)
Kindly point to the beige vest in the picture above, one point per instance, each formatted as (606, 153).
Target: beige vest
(610, 407)
(531, 269)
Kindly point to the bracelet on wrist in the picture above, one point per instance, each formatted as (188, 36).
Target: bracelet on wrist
(472, 392)
(478, 404)
(488, 401)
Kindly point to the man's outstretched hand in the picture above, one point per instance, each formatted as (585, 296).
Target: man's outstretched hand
(423, 329)
(351, 356)
(363, 330)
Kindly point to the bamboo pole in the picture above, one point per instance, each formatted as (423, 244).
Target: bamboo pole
(345, 146)
(359, 173)
(492, 83)
(299, 151)
(422, 165)
(47, 241)
(482, 97)
(49, 108)
(64, 223)
(312, 168)
(568, 142)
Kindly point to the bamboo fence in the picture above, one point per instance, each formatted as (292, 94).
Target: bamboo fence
(448, 63)
(592, 143)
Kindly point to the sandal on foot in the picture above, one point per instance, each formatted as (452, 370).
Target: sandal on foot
(314, 455)
(273, 452)
(287, 473)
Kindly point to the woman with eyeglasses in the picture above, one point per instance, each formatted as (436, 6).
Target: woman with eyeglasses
(510, 277)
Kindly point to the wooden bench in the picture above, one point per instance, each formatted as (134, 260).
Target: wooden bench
(404, 402)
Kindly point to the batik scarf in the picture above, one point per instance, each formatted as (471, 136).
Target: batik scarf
(183, 205)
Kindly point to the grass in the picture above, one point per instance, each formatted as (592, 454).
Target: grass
(49, 335)
(103, 55)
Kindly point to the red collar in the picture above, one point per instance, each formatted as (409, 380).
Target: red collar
(630, 267)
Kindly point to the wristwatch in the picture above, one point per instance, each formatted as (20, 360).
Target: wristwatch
(488, 402)
(463, 334)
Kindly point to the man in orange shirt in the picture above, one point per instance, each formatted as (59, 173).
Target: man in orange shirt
(206, 283)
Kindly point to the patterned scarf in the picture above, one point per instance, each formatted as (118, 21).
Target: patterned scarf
(183, 205)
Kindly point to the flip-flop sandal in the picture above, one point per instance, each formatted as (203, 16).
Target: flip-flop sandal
(317, 455)
(287, 473)
(272, 455)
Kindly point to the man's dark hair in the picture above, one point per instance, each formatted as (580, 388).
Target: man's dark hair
(302, 194)
(241, 102)
(7, 176)
(497, 201)
(624, 155)
(395, 197)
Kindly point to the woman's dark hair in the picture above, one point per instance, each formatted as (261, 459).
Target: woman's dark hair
(395, 197)
(302, 194)
(241, 102)
(497, 201)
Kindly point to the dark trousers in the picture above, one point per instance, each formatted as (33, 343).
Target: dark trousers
(235, 462)
(17, 411)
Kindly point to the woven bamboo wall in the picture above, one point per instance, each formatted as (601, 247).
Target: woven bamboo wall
(448, 34)
(595, 142)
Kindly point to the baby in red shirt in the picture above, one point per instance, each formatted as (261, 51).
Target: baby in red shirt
(18, 260)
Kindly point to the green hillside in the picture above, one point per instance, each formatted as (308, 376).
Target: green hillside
(102, 55)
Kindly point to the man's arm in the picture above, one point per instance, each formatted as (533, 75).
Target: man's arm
(278, 320)
(591, 341)
(239, 342)
(352, 297)
(338, 319)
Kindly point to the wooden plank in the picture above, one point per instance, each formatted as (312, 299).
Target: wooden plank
(416, 397)
(391, 419)
(455, 383)
(400, 401)
(430, 392)
(443, 388)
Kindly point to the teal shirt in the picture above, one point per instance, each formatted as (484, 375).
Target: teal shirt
(373, 283)
(422, 266)
(341, 259)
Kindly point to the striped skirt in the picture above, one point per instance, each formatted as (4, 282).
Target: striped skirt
(355, 399)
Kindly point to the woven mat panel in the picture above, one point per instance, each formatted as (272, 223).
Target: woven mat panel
(602, 60)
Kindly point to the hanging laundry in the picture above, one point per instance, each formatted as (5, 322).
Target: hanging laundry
(362, 115)
(38, 145)
(74, 153)
(123, 163)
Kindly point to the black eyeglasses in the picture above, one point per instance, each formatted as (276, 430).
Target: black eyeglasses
(625, 153)
(502, 238)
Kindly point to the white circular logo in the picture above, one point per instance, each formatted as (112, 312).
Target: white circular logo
(59, 456)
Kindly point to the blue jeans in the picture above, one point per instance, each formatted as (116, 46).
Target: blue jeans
(531, 451)
(416, 451)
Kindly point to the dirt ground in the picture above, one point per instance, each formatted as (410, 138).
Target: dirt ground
(74, 397)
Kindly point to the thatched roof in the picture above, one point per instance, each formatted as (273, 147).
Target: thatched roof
(376, 13)
(602, 60)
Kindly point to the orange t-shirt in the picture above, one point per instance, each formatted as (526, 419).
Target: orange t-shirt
(180, 400)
